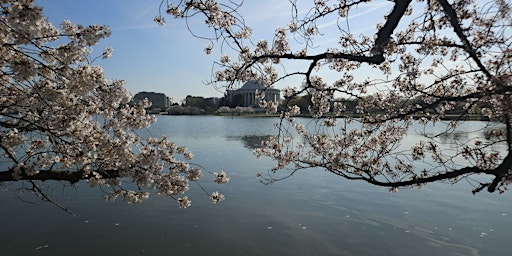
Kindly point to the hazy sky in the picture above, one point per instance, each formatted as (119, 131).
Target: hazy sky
(168, 58)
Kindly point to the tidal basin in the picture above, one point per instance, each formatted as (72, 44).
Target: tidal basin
(311, 213)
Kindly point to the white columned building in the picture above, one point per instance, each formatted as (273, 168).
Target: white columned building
(248, 94)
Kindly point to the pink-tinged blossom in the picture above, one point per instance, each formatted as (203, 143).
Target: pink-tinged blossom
(194, 174)
(174, 10)
(221, 177)
(159, 20)
(208, 49)
(225, 59)
(184, 202)
(216, 197)
(107, 53)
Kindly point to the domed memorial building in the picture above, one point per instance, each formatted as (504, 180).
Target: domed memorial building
(245, 96)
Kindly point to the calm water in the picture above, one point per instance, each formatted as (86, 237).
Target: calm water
(311, 213)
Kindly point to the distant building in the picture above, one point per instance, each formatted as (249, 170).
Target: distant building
(208, 105)
(245, 96)
(158, 100)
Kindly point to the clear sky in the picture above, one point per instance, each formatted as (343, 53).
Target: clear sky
(168, 58)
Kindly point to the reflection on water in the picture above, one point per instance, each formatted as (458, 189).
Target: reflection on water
(251, 141)
(311, 213)
(453, 137)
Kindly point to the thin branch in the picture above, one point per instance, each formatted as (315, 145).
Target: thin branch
(454, 21)
(37, 190)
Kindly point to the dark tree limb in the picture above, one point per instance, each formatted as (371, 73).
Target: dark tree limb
(491, 187)
(384, 34)
(419, 180)
(69, 176)
(377, 52)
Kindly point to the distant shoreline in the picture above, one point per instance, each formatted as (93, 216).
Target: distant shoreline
(449, 117)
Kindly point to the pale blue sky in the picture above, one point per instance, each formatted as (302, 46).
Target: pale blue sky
(169, 59)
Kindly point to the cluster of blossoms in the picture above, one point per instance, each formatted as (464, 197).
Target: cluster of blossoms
(221, 177)
(61, 119)
(453, 58)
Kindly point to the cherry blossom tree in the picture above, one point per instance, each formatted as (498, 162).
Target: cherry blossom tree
(422, 62)
(62, 120)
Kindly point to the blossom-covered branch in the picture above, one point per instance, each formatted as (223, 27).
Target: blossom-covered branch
(425, 61)
(61, 119)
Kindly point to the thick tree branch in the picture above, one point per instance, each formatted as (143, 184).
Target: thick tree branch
(69, 176)
(376, 59)
(419, 180)
(384, 34)
(377, 52)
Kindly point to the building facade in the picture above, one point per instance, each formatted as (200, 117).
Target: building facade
(158, 100)
(245, 96)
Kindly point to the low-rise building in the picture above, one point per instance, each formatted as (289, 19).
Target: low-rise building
(158, 100)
